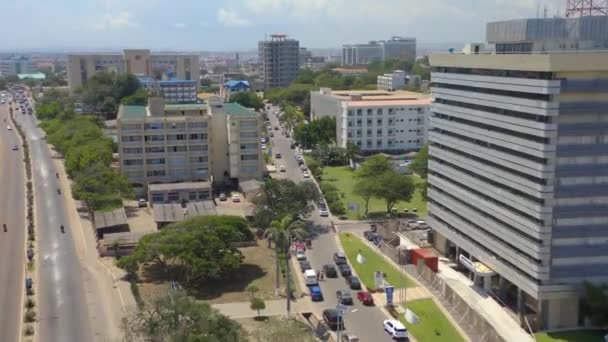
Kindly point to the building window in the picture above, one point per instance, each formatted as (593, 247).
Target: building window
(369, 122)
(248, 134)
(350, 134)
(129, 162)
(359, 112)
(369, 111)
(379, 122)
(197, 148)
(155, 138)
(249, 157)
(176, 148)
(203, 194)
(173, 197)
(250, 146)
(379, 111)
(132, 150)
(350, 124)
(192, 195)
(155, 149)
(379, 132)
(350, 112)
(369, 132)
(155, 161)
(378, 143)
(130, 138)
(369, 143)
(154, 125)
(197, 124)
(156, 173)
(158, 198)
(199, 159)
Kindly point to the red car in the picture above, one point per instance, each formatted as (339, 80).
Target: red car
(365, 298)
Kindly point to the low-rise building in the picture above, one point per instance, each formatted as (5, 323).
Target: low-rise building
(392, 81)
(168, 143)
(179, 192)
(173, 90)
(232, 87)
(375, 120)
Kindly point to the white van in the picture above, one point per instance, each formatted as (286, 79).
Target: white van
(310, 277)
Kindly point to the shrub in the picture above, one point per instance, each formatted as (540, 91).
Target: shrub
(30, 303)
(29, 330)
(30, 316)
(337, 208)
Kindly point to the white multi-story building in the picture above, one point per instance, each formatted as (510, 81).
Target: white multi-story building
(392, 81)
(173, 91)
(81, 67)
(518, 175)
(15, 65)
(375, 120)
(394, 48)
(216, 142)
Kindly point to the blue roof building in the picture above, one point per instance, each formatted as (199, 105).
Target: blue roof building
(234, 86)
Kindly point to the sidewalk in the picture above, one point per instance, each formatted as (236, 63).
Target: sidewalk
(495, 314)
(276, 307)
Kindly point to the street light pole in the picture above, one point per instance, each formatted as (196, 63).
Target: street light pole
(287, 257)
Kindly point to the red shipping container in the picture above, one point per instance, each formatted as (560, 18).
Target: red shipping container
(430, 259)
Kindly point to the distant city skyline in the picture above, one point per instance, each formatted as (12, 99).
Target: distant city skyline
(99, 25)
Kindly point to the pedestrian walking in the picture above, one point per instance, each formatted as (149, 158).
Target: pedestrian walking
(322, 276)
(318, 275)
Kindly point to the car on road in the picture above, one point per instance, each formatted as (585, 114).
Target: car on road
(9, 128)
(263, 146)
(365, 298)
(395, 328)
(339, 258)
(292, 146)
(330, 317)
(344, 297)
(306, 174)
(369, 235)
(276, 128)
(142, 203)
(278, 156)
(315, 293)
(282, 168)
(223, 196)
(15, 148)
(235, 197)
(323, 212)
(330, 271)
(305, 265)
(300, 255)
(345, 270)
(353, 282)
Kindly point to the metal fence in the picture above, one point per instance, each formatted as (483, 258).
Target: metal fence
(473, 324)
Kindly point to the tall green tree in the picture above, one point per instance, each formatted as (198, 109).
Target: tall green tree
(257, 304)
(393, 187)
(595, 304)
(374, 166)
(366, 188)
(248, 99)
(283, 197)
(420, 165)
(178, 318)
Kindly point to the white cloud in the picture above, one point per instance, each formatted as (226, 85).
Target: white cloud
(179, 25)
(260, 6)
(119, 21)
(231, 18)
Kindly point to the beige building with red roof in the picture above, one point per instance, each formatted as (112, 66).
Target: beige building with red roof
(375, 120)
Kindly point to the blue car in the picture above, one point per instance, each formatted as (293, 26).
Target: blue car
(315, 293)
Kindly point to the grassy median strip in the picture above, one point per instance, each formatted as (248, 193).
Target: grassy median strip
(433, 325)
(374, 262)
(570, 336)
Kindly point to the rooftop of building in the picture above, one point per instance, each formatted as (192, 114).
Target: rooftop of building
(574, 61)
(395, 102)
(371, 98)
(233, 83)
(35, 76)
(132, 112)
(173, 212)
(185, 106)
(106, 219)
(236, 109)
(145, 79)
(179, 186)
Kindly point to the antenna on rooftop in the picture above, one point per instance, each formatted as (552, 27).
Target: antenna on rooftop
(582, 8)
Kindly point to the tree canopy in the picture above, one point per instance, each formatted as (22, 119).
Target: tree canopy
(420, 165)
(319, 131)
(376, 178)
(248, 99)
(104, 91)
(195, 250)
(176, 317)
(283, 197)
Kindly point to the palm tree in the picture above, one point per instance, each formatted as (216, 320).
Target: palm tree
(281, 232)
(352, 151)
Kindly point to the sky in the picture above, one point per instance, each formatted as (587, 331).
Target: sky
(227, 25)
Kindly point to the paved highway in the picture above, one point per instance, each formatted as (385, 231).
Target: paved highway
(363, 321)
(64, 311)
(12, 242)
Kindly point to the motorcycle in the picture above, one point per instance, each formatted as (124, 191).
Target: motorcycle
(62, 229)
(4, 226)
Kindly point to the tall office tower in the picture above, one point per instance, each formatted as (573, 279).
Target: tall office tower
(399, 48)
(518, 175)
(359, 54)
(279, 57)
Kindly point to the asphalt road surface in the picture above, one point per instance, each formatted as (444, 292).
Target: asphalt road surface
(12, 242)
(63, 313)
(363, 321)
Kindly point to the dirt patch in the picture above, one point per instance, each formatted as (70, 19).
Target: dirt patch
(258, 268)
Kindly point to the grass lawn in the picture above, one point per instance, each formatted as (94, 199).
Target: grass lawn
(433, 325)
(571, 336)
(343, 178)
(375, 262)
